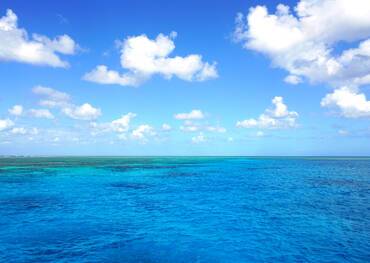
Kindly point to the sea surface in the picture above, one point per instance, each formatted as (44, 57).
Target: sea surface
(184, 209)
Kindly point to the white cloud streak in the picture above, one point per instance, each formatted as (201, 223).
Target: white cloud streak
(192, 115)
(41, 113)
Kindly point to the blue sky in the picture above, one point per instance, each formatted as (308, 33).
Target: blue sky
(185, 78)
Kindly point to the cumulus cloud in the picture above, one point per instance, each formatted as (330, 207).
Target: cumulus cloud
(349, 101)
(304, 41)
(6, 124)
(295, 42)
(123, 129)
(61, 100)
(16, 110)
(16, 45)
(277, 117)
(142, 132)
(102, 75)
(120, 125)
(83, 112)
(192, 115)
(41, 113)
(142, 58)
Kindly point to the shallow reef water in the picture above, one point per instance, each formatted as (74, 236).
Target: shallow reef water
(184, 209)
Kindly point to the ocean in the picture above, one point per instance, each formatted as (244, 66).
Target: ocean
(184, 209)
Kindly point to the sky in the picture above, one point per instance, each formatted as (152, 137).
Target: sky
(188, 77)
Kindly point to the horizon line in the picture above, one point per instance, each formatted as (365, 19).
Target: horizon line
(173, 156)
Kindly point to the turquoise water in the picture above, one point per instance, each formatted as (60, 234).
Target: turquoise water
(184, 209)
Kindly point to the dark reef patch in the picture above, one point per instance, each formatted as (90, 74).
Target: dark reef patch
(129, 185)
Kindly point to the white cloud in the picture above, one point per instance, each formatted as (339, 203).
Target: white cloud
(350, 103)
(343, 132)
(19, 130)
(192, 122)
(16, 110)
(62, 101)
(199, 138)
(142, 132)
(5, 124)
(304, 42)
(120, 125)
(278, 117)
(16, 45)
(83, 112)
(23, 131)
(190, 128)
(166, 127)
(193, 115)
(293, 79)
(41, 113)
(54, 98)
(207, 72)
(102, 75)
(260, 134)
(216, 129)
(143, 57)
(294, 42)
(123, 129)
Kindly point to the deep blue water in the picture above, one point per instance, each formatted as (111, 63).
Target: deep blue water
(185, 209)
